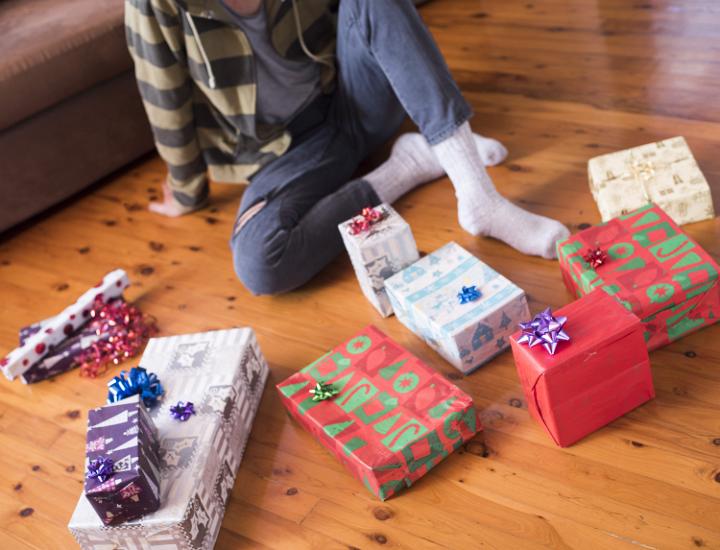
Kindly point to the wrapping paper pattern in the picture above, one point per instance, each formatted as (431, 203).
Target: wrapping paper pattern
(123, 432)
(653, 269)
(602, 373)
(223, 373)
(664, 173)
(58, 328)
(387, 248)
(393, 419)
(424, 297)
(61, 357)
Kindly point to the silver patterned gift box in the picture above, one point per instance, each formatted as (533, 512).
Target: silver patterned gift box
(223, 373)
(469, 333)
(381, 250)
(664, 173)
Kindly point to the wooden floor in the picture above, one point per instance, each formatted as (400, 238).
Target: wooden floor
(558, 81)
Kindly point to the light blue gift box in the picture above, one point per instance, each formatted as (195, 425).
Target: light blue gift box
(425, 298)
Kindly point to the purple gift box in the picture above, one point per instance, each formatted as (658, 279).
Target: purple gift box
(62, 358)
(124, 433)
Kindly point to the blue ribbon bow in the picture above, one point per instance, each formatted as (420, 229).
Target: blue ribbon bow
(468, 294)
(138, 382)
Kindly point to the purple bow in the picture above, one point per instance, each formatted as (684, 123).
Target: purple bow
(182, 411)
(544, 329)
(100, 469)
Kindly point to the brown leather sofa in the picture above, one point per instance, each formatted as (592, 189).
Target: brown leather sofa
(70, 112)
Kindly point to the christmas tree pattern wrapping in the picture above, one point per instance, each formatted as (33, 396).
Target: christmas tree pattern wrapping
(652, 268)
(123, 433)
(63, 356)
(393, 418)
(466, 333)
(600, 374)
(385, 248)
(223, 374)
(664, 173)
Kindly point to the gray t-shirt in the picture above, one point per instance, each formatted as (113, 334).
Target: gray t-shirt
(284, 87)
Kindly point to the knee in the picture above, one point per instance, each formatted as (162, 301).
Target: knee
(255, 266)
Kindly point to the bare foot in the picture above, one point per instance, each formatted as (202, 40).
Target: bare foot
(170, 206)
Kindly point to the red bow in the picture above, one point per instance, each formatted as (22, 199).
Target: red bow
(367, 218)
(595, 257)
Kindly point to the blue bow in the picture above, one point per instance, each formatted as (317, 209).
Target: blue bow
(468, 294)
(139, 382)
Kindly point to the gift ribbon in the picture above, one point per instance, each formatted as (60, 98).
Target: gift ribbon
(544, 329)
(595, 257)
(321, 392)
(642, 170)
(121, 331)
(367, 218)
(182, 411)
(468, 294)
(61, 326)
(101, 469)
(138, 382)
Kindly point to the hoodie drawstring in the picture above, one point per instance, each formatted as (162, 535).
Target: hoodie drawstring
(196, 35)
(322, 59)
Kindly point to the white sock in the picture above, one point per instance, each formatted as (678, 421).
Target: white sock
(413, 163)
(482, 210)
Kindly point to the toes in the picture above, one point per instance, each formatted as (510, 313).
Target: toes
(491, 151)
(559, 235)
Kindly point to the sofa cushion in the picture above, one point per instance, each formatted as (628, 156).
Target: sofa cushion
(54, 49)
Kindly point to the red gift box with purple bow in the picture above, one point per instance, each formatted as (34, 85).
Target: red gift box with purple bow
(582, 366)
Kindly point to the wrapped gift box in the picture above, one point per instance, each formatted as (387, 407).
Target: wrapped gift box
(425, 299)
(123, 433)
(664, 173)
(652, 268)
(600, 374)
(223, 374)
(44, 347)
(378, 250)
(393, 418)
(63, 356)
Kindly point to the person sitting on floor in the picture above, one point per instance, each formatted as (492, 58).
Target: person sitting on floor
(291, 95)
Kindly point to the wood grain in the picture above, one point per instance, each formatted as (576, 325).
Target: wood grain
(557, 81)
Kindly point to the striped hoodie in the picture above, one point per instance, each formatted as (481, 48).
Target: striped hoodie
(195, 71)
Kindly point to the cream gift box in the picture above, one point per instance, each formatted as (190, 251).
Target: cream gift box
(425, 299)
(377, 250)
(664, 173)
(223, 374)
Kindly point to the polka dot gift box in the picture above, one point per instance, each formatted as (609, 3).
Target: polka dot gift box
(57, 329)
(387, 416)
(646, 262)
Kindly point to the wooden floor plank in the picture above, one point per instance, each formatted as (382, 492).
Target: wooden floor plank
(558, 82)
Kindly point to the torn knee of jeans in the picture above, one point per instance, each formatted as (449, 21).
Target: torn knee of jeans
(246, 216)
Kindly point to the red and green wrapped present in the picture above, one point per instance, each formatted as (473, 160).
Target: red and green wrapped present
(646, 262)
(387, 416)
(582, 366)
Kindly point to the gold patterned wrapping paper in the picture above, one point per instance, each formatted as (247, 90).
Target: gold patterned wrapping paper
(664, 172)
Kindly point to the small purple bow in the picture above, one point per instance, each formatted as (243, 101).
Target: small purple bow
(100, 469)
(544, 329)
(182, 411)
